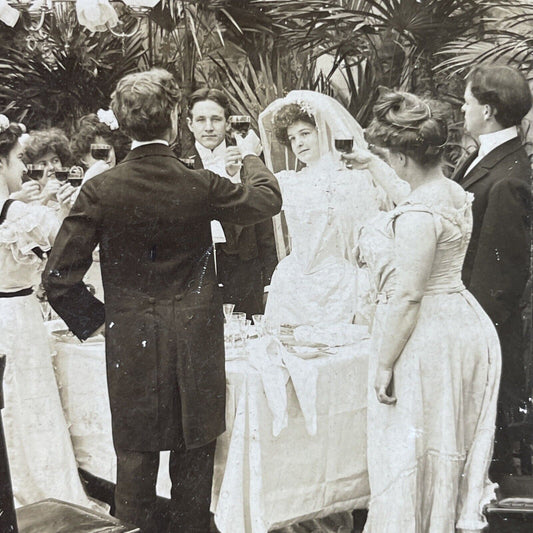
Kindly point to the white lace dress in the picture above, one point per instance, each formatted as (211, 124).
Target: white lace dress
(325, 208)
(39, 448)
(429, 454)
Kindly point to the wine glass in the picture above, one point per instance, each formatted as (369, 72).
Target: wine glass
(35, 172)
(75, 176)
(259, 323)
(240, 124)
(228, 310)
(62, 174)
(344, 145)
(100, 151)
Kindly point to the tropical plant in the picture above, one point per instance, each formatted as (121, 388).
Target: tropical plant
(64, 72)
(507, 38)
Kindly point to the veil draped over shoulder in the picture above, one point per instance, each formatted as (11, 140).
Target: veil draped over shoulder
(331, 118)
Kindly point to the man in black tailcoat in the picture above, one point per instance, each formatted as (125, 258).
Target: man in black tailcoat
(163, 317)
(496, 266)
(246, 256)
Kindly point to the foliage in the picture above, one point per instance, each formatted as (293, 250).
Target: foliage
(65, 71)
(507, 38)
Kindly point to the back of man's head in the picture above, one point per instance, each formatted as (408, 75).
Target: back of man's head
(504, 89)
(143, 103)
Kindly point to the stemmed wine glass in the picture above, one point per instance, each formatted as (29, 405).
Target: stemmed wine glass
(240, 123)
(344, 145)
(75, 176)
(35, 172)
(228, 310)
(62, 174)
(100, 151)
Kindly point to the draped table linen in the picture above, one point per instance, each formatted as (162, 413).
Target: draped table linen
(267, 474)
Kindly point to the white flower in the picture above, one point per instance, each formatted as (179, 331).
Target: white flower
(108, 118)
(4, 123)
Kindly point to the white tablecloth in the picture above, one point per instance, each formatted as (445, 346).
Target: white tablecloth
(260, 481)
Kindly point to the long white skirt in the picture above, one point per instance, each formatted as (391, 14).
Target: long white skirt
(40, 452)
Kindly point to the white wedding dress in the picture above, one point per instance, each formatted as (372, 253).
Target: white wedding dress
(325, 208)
(317, 284)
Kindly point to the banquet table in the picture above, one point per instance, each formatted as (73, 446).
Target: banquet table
(275, 465)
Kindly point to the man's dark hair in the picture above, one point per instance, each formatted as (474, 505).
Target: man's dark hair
(504, 89)
(143, 103)
(217, 96)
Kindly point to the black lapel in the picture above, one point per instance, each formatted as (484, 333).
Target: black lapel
(462, 167)
(490, 161)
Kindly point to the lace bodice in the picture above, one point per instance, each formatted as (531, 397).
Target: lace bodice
(26, 227)
(452, 227)
(325, 208)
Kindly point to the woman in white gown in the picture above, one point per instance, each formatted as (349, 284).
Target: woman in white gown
(38, 443)
(435, 366)
(325, 205)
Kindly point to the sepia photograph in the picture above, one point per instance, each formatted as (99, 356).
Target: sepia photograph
(266, 266)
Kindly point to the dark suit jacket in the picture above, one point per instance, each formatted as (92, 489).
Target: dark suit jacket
(248, 242)
(163, 309)
(497, 260)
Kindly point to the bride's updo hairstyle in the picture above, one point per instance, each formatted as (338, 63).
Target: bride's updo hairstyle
(405, 123)
(285, 117)
(9, 136)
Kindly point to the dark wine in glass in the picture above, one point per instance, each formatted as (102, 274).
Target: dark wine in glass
(100, 151)
(345, 146)
(75, 181)
(62, 174)
(240, 123)
(75, 176)
(35, 172)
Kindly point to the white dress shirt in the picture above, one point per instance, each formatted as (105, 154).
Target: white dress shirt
(214, 161)
(491, 141)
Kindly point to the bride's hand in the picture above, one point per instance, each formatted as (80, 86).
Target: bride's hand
(383, 385)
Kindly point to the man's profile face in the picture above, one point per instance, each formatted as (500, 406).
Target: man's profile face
(208, 123)
(475, 121)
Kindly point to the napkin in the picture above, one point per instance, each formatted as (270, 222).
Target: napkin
(265, 357)
(276, 366)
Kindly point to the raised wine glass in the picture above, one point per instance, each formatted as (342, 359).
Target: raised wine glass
(75, 176)
(35, 172)
(344, 145)
(240, 123)
(62, 174)
(100, 151)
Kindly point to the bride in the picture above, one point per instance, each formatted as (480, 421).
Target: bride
(325, 205)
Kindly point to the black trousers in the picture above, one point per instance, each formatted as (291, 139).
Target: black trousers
(191, 473)
(242, 283)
